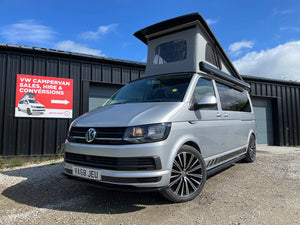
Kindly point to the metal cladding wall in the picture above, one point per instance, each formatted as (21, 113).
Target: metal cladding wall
(285, 98)
(42, 136)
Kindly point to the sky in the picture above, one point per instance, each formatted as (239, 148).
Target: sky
(261, 37)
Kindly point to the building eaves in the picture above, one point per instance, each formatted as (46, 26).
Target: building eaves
(61, 52)
(270, 80)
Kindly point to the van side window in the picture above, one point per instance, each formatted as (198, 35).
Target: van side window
(232, 99)
(204, 87)
(211, 56)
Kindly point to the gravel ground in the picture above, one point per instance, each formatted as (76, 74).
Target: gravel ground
(264, 192)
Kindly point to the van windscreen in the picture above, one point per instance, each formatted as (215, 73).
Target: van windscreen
(167, 88)
(33, 101)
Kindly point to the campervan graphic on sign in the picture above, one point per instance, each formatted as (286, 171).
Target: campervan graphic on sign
(28, 104)
(189, 116)
(47, 97)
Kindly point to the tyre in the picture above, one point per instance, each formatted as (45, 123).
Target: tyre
(29, 111)
(251, 150)
(188, 175)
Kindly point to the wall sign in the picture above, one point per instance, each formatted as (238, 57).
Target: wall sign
(44, 97)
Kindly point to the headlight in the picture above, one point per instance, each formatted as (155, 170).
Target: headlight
(147, 133)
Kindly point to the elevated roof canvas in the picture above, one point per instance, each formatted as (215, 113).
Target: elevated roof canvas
(181, 20)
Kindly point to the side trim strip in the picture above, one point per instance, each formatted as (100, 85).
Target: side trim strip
(223, 158)
(224, 165)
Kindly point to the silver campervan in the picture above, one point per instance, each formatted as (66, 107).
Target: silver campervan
(191, 115)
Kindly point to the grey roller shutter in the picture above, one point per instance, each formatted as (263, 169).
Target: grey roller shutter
(99, 94)
(264, 121)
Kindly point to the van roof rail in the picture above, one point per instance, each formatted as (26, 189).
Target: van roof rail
(212, 70)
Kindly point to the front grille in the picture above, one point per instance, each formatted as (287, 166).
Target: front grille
(104, 135)
(114, 163)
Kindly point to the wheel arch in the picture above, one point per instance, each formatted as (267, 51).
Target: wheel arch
(252, 132)
(193, 144)
(184, 140)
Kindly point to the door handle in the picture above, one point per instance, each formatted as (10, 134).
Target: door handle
(226, 115)
(218, 115)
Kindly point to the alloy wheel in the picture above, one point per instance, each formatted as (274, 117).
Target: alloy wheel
(187, 174)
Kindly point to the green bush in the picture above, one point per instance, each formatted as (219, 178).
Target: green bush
(15, 161)
(10, 162)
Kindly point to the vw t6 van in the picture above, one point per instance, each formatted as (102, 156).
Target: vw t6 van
(30, 105)
(191, 115)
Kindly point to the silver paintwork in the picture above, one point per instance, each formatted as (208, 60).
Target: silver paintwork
(217, 134)
(208, 100)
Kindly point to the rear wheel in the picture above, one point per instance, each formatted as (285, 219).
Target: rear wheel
(251, 150)
(188, 175)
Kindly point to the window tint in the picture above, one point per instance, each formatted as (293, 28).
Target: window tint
(204, 87)
(232, 99)
(170, 52)
(210, 55)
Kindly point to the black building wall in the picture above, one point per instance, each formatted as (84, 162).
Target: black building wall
(42, 136)
(285, 98)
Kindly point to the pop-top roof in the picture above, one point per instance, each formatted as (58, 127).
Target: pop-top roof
(178, 21)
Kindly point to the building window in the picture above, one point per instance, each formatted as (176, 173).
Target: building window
(172, 51)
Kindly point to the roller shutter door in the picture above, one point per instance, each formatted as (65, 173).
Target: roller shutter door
(99, 94)
(264, 121)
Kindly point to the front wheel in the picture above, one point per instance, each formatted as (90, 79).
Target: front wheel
(251, 150)
(29, 111)
(188, 175)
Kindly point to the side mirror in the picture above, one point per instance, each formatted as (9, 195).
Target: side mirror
(206, 102)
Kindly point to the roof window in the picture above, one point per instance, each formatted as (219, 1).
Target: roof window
(171, 51)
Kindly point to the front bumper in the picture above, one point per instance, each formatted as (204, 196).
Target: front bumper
(116, 187)
(125, 179)
(142, 176)
(37, 110)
